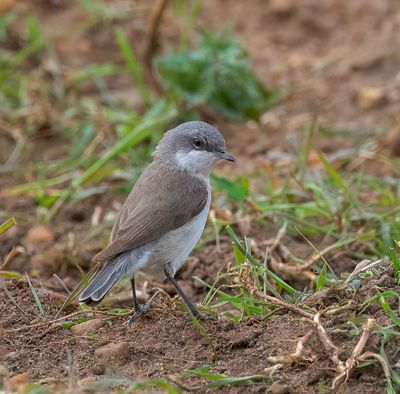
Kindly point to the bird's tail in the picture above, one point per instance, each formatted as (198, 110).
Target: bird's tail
(104, 280)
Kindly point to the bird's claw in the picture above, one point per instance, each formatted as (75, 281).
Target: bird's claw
(140, 310)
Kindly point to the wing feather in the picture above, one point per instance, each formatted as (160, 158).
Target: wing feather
(183, 198)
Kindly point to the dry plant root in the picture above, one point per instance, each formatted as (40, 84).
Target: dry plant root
(343, 368)
(356, 355)
(292, 358)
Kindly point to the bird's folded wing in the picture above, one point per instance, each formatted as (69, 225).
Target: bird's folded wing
(154, 215)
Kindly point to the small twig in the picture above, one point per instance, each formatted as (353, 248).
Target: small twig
(156, 14)
(293, 357)
(154, 27)
(85, 311)
(293, 270)
(334, 311)
(316, 257)
(277, 240)
(284, 304)
(15, 251)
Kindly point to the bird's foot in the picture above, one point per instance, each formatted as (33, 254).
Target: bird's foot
(140, 310)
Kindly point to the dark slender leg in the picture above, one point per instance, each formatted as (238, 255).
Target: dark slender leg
(184, 297)
(139, 309)
(135, 301)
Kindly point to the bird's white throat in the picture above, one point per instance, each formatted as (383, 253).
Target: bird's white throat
(196, 161)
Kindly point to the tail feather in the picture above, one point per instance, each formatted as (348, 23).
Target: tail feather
(128, 263)
(100, 285)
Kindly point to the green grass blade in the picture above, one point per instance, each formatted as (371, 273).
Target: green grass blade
(388, 310)
(35, 296)
(321, 278)
(7, 224)
(133, 65)
(396, 263)
(11, 274)
(336, 178)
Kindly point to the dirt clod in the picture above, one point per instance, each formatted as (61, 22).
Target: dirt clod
(86, 327)
(99, 369)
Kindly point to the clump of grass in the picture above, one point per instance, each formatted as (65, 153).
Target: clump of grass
(217, 73)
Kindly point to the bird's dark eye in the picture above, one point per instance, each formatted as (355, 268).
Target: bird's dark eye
(197, 143)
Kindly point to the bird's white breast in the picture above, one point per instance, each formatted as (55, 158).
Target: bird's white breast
(174, 247)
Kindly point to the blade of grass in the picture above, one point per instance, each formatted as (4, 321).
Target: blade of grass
(133, 65)
(336, 178)
(321, 278)
(11, 274)
(7, 224)
(396, 263)
(388, 310)
(35, 296)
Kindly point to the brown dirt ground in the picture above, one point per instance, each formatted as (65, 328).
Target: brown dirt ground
(323, 59)
(161, 344)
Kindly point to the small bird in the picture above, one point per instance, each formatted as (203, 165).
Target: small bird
(164, 215)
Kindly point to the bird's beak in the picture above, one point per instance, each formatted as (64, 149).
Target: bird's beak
(225, 156)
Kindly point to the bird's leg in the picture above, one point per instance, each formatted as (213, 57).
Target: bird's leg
(139, 309)
(193, 309)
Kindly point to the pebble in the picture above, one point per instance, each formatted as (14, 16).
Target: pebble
(113, 351)
(87, 326)
(369, 97)
(279, 388)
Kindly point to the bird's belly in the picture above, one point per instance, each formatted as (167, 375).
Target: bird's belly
(174, 247)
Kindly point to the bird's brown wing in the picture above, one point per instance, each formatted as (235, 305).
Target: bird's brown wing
(166, 203)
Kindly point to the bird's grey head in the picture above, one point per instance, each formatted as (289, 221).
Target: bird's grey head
(193, 146)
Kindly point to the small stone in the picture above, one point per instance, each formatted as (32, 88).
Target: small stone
(370, 97)
(281, 7)
(39, 237)
(99, 369)
(113, 352)
(87, 326)
(279, 388)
